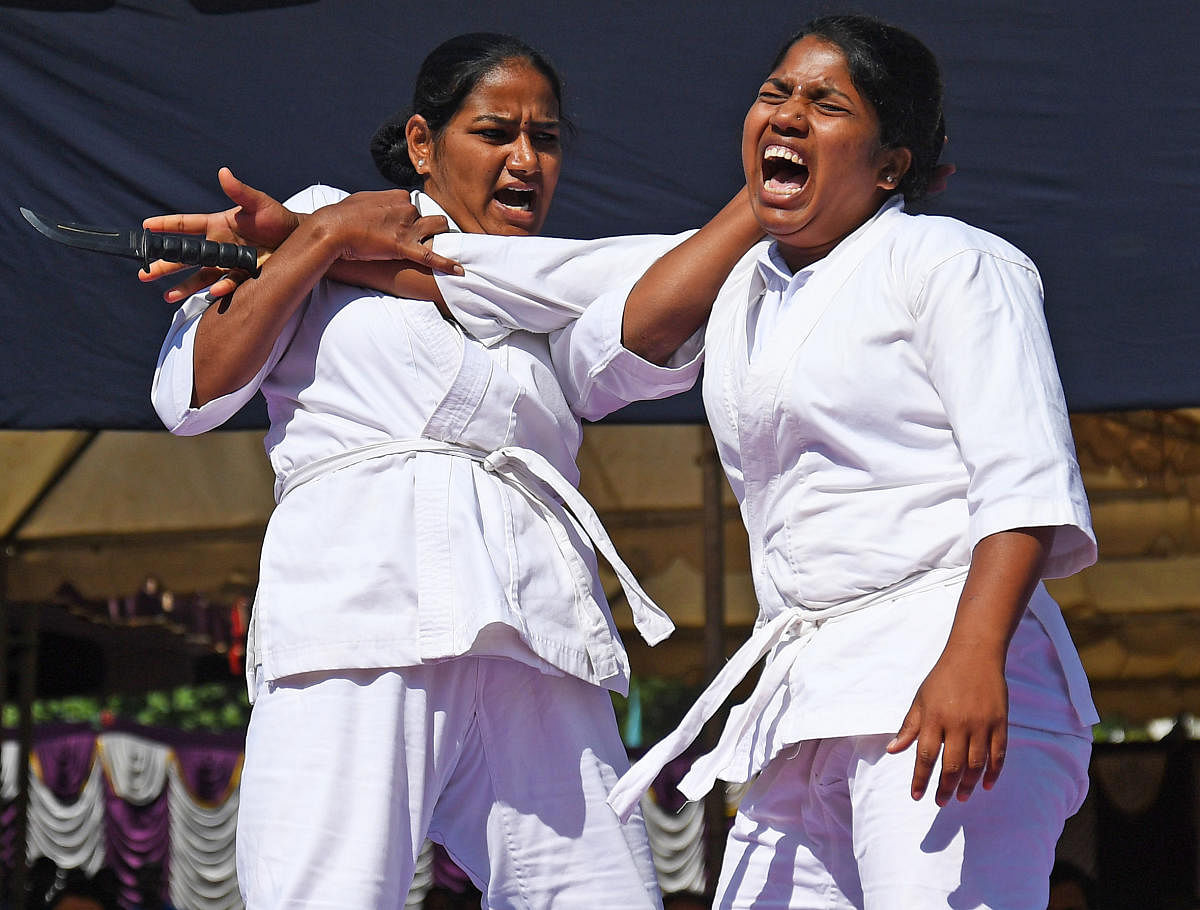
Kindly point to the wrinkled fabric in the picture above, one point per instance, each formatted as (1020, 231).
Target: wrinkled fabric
(415, 558)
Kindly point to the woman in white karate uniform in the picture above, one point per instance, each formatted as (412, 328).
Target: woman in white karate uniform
(432, 652)
(885, 401)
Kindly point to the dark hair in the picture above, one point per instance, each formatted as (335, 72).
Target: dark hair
(900, 77)
(447, 76)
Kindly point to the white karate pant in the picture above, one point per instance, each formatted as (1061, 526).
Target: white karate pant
(830, 824)
(509, 768)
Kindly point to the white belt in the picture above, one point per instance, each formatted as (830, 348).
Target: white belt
(539, 481)
(794, 624)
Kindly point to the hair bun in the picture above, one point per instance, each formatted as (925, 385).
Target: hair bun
(389, 149)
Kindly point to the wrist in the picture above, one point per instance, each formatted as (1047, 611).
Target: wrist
(322, 234)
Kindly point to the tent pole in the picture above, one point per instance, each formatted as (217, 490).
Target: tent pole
(28, 650)
(15, 888)
(714, 637)
(26, 659)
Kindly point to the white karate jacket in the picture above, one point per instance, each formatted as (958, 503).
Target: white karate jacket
(407, 555)
(903, 405)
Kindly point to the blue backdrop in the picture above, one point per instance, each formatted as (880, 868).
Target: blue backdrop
(1074, 124)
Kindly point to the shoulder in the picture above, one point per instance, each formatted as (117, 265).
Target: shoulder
(927, 241)
(740, 283)
(941, 256)
(743, 273)
(311, 198)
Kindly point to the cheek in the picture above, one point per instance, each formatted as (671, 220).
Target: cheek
(750, 133)
(551, 169)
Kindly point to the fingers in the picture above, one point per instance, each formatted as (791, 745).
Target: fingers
(218, 281)
(196, 282)
(160, 268)
(967, 760)
(940, 180)
(929, 744)
(997, 752)
(908, 732)
(437, 263)
(976, 763)
(237, 190)
(954, 766)
(429, 225)
(177, 224)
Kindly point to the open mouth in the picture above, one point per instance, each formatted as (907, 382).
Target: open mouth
(511, 198)
(784, 172)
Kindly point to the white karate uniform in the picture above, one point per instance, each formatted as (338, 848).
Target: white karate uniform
(877, 415)
(421, 529)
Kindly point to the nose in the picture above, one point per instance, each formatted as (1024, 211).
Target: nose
(523, 157)
(791, 115)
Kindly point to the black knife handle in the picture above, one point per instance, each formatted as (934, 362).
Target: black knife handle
(191, 250)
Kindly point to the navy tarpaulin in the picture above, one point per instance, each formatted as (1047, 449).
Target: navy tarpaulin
(1074, 125)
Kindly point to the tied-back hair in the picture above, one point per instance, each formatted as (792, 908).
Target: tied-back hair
(446, 78)
(900, 77)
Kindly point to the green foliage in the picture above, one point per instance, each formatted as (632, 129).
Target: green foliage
(213, 707)
(663, 703)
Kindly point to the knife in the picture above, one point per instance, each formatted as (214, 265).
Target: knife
(146, 246)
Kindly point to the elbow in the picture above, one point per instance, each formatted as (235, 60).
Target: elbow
(655, 347)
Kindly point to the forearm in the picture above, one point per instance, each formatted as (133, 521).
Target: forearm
(234, 338)
(397, 278)
(675, 295)
(1005, 569)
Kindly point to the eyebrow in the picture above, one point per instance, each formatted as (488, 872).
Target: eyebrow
(824, 91)
(817, 91)
(515, 121)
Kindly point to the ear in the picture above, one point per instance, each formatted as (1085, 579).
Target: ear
(419, 139)
(894, 164)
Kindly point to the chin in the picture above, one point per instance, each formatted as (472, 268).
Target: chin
(514, 230)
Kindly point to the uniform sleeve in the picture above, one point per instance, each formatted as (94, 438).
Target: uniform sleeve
(599, 375)
(539, 284)
(982, 333)
(171, 389)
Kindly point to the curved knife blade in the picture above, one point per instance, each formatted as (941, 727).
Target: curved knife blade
(146, 246)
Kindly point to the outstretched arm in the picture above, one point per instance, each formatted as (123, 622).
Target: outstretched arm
(673, 298)
(234, 338)
(258, 219)
(961, 709)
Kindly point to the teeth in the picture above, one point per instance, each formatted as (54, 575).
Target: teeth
(520, 199)
(779, 151)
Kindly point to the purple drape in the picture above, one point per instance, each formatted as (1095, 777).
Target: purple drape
(207, 770)
(136, 841)
(65, 754)
(8, 835)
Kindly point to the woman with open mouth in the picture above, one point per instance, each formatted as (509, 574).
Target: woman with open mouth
(431, 651)
(887, 407)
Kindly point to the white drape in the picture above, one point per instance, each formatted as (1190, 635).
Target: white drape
(202, 868)
(70, 833)
(203, 871)
(136, 767)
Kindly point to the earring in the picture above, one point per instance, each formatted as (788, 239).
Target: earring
(420, 162)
